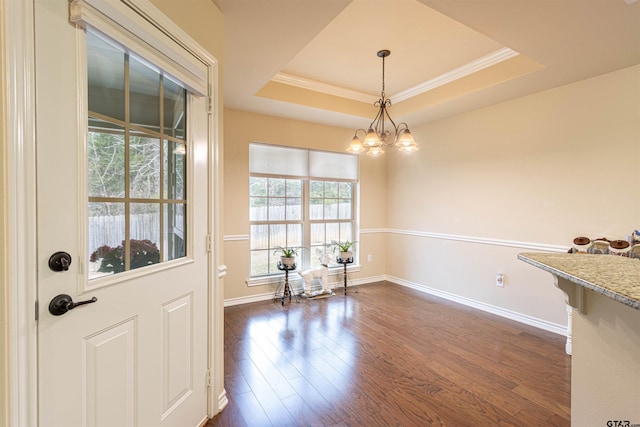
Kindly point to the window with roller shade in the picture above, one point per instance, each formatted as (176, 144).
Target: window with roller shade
(300, 198)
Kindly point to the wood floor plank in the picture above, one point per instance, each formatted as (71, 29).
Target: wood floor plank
(389, 356)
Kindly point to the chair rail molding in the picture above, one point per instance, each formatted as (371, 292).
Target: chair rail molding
(482, 240)
(235, 237)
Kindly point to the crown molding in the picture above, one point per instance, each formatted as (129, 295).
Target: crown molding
(474, 66)
(479, 64)
(304, 83)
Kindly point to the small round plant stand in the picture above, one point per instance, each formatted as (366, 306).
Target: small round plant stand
(286, 291)
(345, 262)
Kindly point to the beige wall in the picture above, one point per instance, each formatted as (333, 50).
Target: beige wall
(540, 169)
(240, 128)
(201, 19)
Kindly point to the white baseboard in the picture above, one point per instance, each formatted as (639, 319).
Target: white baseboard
(502, 312)
(223, 401)
(246, 300)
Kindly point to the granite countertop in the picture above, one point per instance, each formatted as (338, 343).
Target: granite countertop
(613, 276)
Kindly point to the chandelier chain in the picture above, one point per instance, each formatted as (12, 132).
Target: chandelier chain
(383, 79)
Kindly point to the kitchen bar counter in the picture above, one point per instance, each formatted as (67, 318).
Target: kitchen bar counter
(613, 276)
(604, 290)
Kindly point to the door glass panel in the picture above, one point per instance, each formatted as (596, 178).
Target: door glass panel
(106, 163)
(174, 170)
(174, 236)
(106, 238)
(174, 111)
(145, 234)
(144, 167)
(106, 80)
(145, 95)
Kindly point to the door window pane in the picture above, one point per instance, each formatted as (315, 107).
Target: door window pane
(174, 109)
(175, 225)
(106, 163)
(106, 80)
(145, 234)
(106, 238)
(144, 93)
(174, 170)
(144, 167)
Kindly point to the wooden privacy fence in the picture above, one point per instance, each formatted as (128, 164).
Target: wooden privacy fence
(261, 237)
(109, 229)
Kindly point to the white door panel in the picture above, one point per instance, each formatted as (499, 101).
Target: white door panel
(138, 355)
(109, 376)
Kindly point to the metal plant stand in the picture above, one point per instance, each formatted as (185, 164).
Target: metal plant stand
(287, 292)
(345, 262)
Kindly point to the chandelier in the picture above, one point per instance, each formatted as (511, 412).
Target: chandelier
(377, 137)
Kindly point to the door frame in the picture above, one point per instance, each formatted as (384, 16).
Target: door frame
(18, 364)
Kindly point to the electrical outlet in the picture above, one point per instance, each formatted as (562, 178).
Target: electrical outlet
(500, 280)
(369, 258)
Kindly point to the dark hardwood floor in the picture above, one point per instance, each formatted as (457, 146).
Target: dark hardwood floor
(389, 356)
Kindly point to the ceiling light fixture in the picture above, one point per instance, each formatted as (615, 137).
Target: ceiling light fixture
(377, 137)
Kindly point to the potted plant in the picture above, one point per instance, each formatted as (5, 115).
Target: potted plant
(344, 248)
(288, 257)
(143, 253)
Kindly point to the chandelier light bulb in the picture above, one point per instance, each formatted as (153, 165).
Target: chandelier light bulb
(356, 145)
(406, 139)
(372, 139)
(375, 151)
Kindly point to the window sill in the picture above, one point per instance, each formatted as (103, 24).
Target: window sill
(295, 276)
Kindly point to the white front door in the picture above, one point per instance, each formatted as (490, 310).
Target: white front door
(137, 356)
